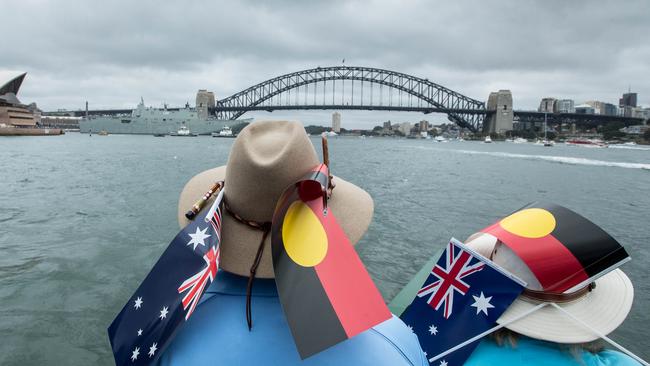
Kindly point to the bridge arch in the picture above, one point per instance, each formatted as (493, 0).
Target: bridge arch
(464, 111)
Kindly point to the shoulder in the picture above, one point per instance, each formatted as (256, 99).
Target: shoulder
(609, 357)
(219, 324)
(533, 352)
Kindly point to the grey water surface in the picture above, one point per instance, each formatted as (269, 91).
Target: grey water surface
(83, 219)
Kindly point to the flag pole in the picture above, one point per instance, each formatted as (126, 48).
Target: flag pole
(198, 205)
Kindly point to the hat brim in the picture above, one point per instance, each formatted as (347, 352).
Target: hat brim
(352, 206)
(603, 309)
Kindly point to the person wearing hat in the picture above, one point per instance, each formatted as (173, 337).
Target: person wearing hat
(265, 159)
(570, 265)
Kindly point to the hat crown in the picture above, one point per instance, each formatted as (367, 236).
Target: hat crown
(265, 159)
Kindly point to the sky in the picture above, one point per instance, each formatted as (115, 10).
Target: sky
(111, 53)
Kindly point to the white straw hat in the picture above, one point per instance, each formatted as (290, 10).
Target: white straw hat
(603, 308)
(267, 157)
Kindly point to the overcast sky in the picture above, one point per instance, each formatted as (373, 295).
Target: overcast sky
(112, 52)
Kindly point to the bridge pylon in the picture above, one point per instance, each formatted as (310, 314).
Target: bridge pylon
(500, 114)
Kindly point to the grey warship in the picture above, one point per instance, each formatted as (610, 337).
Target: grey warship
(161, 121)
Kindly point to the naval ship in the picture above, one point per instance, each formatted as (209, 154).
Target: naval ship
(161, 121)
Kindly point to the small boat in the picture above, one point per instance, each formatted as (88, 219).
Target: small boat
(488, 140)
(183, 132)
(440, 139)
(509, 140)
(629, 143)
(103, 133)
(520, 140)
(586, 142)
(548, 143)
(225, 132)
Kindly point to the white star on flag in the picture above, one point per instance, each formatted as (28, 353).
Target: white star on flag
(139, 332)
(482, 303)
(153, 349)
(411, 329)
(138, 303)
(163, 313)
(198, 238)
(433, 329)
(443, 363)
(134, 355)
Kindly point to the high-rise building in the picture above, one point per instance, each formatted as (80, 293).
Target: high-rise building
(336, 122)
(606, 109)
(565, 106)
(548, 105)
(628, 100)
(204, 101)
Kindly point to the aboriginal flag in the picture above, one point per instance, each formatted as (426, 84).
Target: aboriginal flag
(564, 250)
(326, 293)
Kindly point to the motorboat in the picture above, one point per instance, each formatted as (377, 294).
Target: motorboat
(439, 139)
(225, 132)
(183, 132)
(520, 140)
(487, 140)
(586, 142)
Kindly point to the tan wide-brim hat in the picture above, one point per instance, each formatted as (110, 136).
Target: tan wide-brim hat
(265, 159)
(603, 309)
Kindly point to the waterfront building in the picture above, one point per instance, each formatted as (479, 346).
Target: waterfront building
(387, 125)
(565, 106)
(13, 113)
(423, 126)
(628, 100)
(635, 130)
(585, 109)
(204, 101)
(63, 122)
(548, 105)
(404, 127)
(336, 122)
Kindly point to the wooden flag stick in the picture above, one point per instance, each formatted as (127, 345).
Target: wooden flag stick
(198, 205)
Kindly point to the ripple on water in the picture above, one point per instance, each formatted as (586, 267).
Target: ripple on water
(8, 214)
(16, 269)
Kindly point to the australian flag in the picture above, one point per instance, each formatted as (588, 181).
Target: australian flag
(170, 292)
(463, 296)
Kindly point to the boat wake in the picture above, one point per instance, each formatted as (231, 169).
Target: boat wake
(556, 159)
(629, 147)
(562, 159)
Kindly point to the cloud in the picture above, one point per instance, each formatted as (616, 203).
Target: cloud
(111, 53)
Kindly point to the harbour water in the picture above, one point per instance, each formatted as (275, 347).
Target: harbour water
(83, 219)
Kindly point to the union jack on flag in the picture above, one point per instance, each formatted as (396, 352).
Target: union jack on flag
(170, 293)
(449, 278)
(471, 287)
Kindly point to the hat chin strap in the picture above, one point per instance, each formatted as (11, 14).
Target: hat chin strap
(265, 227)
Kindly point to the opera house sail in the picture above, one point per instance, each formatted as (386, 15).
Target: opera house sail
(17, 118)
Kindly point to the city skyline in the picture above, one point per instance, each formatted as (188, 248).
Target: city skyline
(112, 54)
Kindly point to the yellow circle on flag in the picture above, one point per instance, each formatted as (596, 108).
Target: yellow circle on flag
(530, 223)
(305, 240)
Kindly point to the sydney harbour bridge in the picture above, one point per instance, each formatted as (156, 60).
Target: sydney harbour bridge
(373, 89)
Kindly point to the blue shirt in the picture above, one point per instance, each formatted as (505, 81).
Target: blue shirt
(534, 352)
(217, 334)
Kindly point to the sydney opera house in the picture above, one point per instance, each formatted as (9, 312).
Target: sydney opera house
(17, 118)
